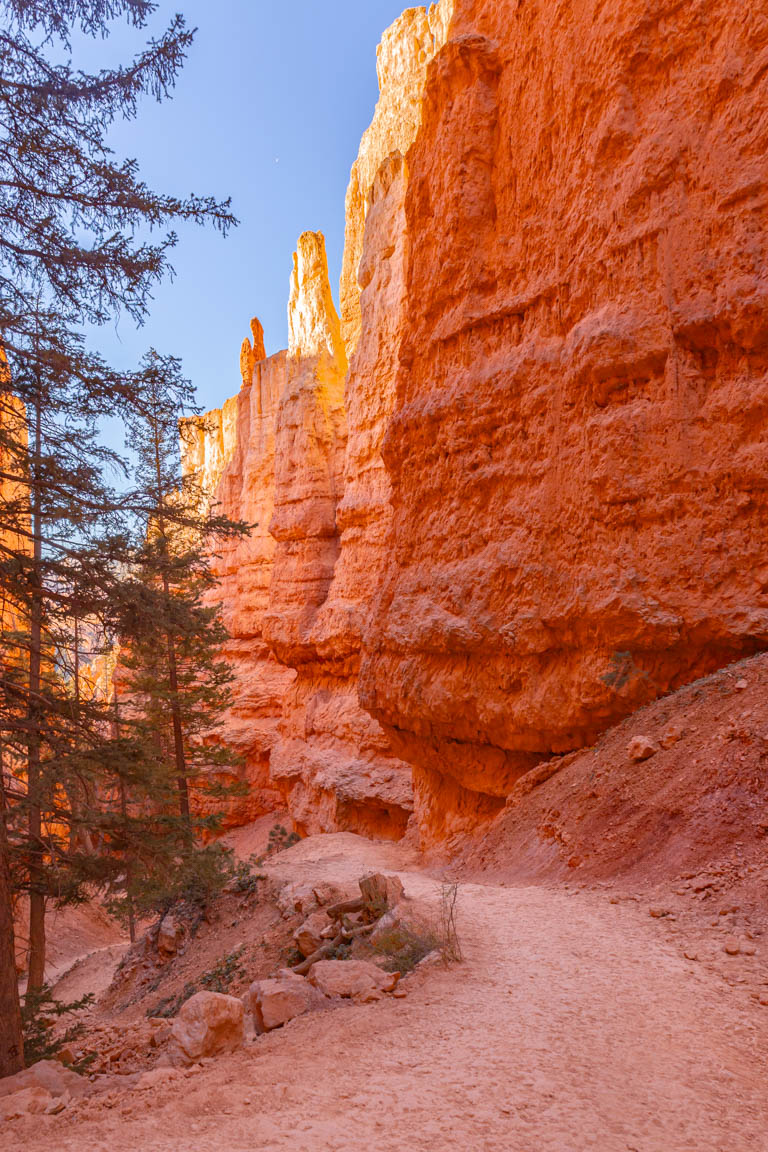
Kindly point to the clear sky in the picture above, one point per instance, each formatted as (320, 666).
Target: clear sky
(269, 110)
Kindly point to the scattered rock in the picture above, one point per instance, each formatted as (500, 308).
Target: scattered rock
(357, 979)
(49, 1075)
(740, 685)
(642, 748)
(170, 936)
(275, 1002)
(157, 1076)
(732, 946)
(658, 913)
(671, 735)
(26, 1102)
(309, 936)
(208, 1024)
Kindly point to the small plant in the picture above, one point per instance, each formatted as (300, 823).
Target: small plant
(220, 977)
(280, 839)
(246, 875)
(622, 669)
(39, 1015)
(450, 945)
(169, 1006)
(342, 951)
(403, 946)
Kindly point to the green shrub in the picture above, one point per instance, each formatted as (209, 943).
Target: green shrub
(403, 946)
(220, 977)
(39, 1015)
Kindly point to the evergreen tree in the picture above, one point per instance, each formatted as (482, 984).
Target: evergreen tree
(71, 252)
(176, 674)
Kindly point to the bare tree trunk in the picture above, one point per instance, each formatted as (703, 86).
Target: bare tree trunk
(11, 1043)
(173, 676)
(36, 973)
(124, 813)
(178, 735)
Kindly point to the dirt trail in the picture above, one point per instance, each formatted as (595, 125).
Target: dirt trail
(572, 1025)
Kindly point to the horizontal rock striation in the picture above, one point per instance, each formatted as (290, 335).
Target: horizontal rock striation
(577, 452)
(517, 489)
(231, 452)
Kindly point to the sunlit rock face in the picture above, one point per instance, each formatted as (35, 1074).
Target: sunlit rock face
(577, 451)
(405, 51)
(331, 759)
(516, 489)
(231, 451)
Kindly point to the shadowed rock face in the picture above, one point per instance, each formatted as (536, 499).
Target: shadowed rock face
(577, 452)
(232, 452)
(517, 491)
(326, 493)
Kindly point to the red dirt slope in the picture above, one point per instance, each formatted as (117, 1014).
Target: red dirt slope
(699, 803)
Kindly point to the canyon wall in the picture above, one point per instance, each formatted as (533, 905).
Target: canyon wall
(231, 452)
(578, 451)
(520, 487)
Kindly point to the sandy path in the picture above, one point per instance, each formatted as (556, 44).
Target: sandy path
(572, 1025)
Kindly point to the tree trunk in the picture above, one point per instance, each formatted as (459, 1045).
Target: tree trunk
(11, 1043)
(124, 813)
(36, 970)
(173, 677)
(178, 734)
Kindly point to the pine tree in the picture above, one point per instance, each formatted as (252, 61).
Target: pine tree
(176, 673)
(71, 253)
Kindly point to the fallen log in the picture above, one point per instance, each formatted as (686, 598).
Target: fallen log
(321, 953)
(336, 911)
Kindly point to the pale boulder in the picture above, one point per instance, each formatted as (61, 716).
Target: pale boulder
(275, 1002)
(49, 1075)
(309, 936)
(207, 1025)
(358, 980)
(170, 936)
(26, 1102)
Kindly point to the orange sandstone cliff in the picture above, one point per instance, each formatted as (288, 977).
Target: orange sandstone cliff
(519, 488)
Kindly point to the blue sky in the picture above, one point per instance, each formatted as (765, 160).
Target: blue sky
(269, 110)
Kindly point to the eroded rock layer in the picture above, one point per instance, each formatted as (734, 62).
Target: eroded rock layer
(578, 450)
(232, 453)
(517, 490)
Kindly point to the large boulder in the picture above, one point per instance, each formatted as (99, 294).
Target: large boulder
(207, 1025)
(326, 893)
(274, 1002)
(357, 979)
(49, 1075)
(310, 935)
(26, 1102)
(294, 898)
(170, 936)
